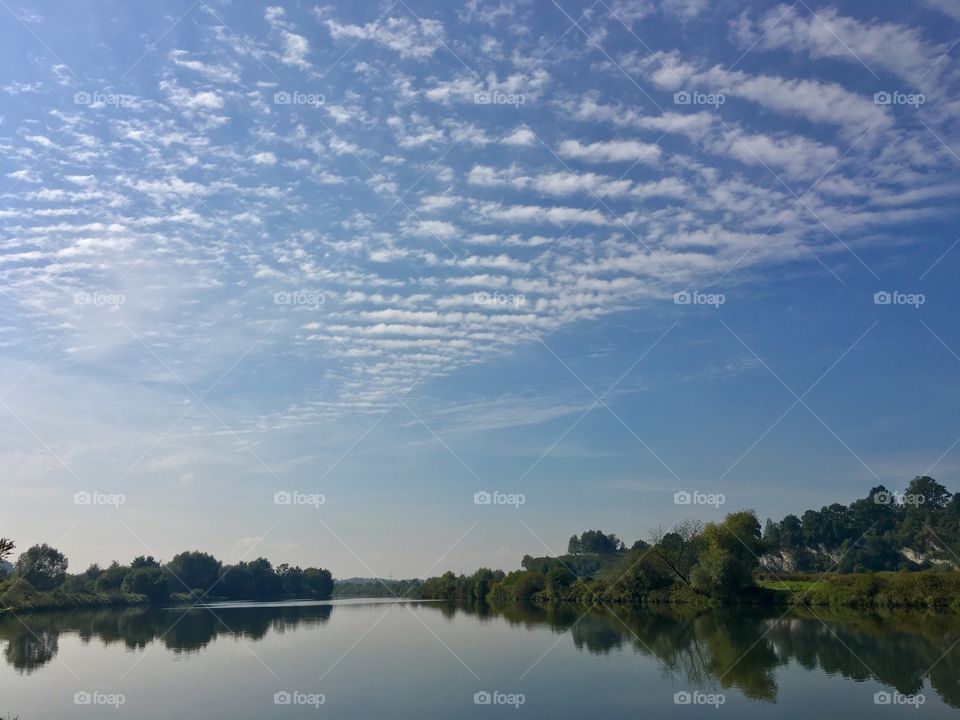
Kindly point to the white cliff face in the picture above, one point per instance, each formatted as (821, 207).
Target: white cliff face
(779, 561)
(784, 561)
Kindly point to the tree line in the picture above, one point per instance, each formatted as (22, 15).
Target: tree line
(885, 531)
(913, 530)
(190, 575)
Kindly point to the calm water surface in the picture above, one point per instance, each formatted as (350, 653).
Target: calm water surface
(370, 659)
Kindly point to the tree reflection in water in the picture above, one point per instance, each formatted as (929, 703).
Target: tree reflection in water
(739, 648)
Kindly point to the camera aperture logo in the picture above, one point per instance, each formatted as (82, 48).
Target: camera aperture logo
(95, 497)
(95, 697)
(498, 498)
(295, 497)
(495, 97)
(892, 497)
(695, 297)
(301, 298)
(295, 697)
(499, 698)
(499, 298)
(697, 697)
(295, 97)
(99, 299)
(897, 698)
(695, 497)
(895, 97)
(895, 297)
(695, 97)
(98, 99)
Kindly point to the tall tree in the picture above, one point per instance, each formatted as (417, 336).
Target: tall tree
(194, 569)
(6, 547)
(677, 549)
(43, 566)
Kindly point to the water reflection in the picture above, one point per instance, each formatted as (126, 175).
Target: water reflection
(31, 640)
(713, 648)
(742, 648)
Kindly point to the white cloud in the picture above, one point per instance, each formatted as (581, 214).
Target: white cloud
(611, 151)
(879, 46)
(417, 39)
(295, 50)
(521, 137)
(215, 73)
(264, 158)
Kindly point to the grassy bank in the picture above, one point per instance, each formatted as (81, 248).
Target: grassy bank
(929, 590)
(16, 597)
(28, 602)
(935, 590)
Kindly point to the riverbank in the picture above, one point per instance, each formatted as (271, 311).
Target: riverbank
(933, 590)
(927, 590)
(17, 600)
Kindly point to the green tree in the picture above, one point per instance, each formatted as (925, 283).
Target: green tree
(112, 577)
(150, 581)
(677, 550)
(729, 557)
(557, 580)
(144, 562)
(43, 566)
(236, 582)
(791, 532)
(291, 579)
(481, 582)
(935, 496)
(317, 583)
(194, 569)
(266, 582)
(6, 547)
(638, 575)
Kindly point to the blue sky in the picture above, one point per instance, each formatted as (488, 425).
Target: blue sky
(396, 254)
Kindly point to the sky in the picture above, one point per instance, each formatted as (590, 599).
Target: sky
(303, 280)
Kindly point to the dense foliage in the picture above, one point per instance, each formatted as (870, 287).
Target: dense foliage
(883, 531)
(40, 579)
(720, 561)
